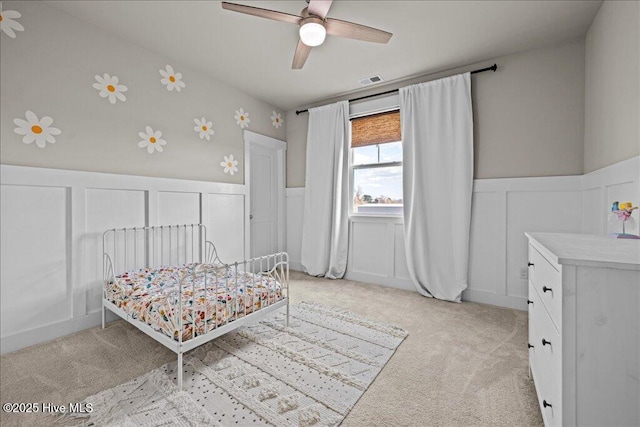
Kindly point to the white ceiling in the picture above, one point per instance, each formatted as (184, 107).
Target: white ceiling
(255, 54)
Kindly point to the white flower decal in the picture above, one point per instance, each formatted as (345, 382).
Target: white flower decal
(8, 23)
(276, 119)
(171, 79)
(151, 140)
(204, 128)
(36, 130)
(229, 165)
(242, 118)
(109, 87)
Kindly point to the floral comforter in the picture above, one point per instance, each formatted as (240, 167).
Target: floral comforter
(151, 295)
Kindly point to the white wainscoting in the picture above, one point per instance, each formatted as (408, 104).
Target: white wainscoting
(376, 252)
(503, 209)
(52, 225)
(618, 182)
(295, 210)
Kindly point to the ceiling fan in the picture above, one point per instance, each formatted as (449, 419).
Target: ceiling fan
(314, 26)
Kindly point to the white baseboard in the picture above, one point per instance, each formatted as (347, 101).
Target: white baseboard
(391, 282)
(518, 303)
(296, 266)
(52, 331)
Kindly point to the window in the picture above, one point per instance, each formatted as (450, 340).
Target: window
(376, 164)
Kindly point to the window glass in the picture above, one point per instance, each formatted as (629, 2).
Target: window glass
(391, 152)
(378, 190)
(365, 155)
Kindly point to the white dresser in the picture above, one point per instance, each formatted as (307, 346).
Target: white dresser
(584, 328)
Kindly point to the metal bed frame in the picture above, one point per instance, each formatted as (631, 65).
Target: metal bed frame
(127, 249)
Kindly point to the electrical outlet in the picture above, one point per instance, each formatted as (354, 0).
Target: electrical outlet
(524, 273)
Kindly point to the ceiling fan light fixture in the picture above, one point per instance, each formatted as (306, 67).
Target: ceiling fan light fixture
(313, 26)
(312, 33)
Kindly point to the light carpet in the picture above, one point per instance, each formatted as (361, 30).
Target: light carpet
(310, 373)
(461, 364)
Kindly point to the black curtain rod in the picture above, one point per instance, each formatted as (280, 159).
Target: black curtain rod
(494, 67)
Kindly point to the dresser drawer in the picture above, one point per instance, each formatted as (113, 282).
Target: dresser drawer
(548, 392)
(547, 281)
(534, 314)
(545, 360)
(549, 344)
(536, 310)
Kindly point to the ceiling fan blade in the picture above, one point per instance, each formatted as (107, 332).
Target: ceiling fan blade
(319, 7)
(301, 55)
(262, 13)
(337, 27)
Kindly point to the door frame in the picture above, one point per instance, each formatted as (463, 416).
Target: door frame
(252, 138)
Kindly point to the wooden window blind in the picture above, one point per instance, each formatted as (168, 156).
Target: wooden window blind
(376, 129)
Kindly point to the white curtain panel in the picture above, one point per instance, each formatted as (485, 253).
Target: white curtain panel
(437, 135)
(325, 226)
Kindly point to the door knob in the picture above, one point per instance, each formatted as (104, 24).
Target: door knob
(250, 216)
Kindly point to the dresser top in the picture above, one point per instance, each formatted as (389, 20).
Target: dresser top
(588, 250)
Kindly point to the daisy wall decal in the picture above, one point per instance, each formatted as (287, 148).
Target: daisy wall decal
(171, 79)
(38, 130)
(109, 87)
(242, 118)
(151, 140)
(203, 127)
(276, 119)
(8, 23)
(229, 165)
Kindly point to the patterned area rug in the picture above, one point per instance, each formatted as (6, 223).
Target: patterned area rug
(309, 374)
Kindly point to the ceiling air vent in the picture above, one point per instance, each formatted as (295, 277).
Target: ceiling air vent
(370, 80)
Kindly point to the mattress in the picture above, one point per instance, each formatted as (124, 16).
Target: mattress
(151, 296)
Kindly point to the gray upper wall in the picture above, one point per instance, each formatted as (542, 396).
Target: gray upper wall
(528, 116)
(49, 69)
(562, 110)
(612, 85)
(538, 115)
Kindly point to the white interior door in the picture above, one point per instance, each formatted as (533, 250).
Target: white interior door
(266, 157)
(264, 201)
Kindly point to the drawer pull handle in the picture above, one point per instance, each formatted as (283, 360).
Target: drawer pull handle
(545, 342)
(546, 404)
(530, 264)
(529, 301)
(545, 289)
(529, 345)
